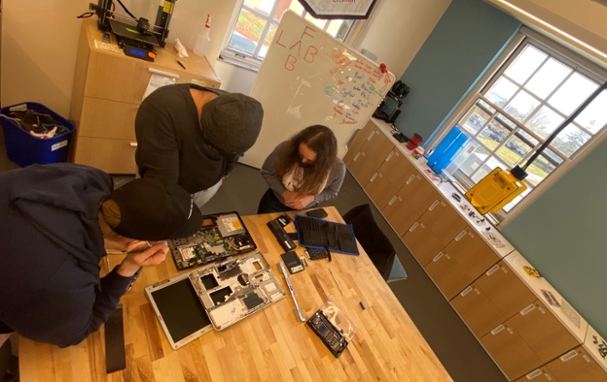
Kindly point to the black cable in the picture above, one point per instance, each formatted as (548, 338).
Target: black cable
(564, 124)
(126, 10)
(85, 15)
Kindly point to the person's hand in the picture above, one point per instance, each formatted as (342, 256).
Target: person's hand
(300, 201)
(138, 257)
(290, 197)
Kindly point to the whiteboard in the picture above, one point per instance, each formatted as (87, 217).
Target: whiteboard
(307, 78)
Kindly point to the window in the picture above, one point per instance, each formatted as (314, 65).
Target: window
(258, 20)
(533, 92)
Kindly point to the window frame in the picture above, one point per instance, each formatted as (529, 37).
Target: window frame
(253, 62)
(490, 77)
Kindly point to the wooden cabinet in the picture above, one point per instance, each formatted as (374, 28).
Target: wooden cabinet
(510, 351)
(538, 375)
(576, 366)
(505, 290)
(422, 242)
(380, 189)
(397, 168)
(542, 331)
(108, 88)
(370, 156)
(353, 149)
(463, 260)
(477, 311)
(443, 220)
(364, 133)
(414, 197)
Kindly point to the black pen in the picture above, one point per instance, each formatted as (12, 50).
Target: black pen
(180, 64)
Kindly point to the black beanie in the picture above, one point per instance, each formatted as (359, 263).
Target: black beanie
(232, 122)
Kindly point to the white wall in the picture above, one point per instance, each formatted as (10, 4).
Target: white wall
(583, 22)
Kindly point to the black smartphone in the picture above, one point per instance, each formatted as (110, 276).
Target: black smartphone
(317, 213)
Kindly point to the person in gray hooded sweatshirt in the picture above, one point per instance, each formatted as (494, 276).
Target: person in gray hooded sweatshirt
(57, 222)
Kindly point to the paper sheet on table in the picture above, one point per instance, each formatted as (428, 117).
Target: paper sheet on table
(156, 81)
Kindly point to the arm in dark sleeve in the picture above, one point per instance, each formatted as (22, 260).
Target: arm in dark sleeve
(268, 171)
(336, 179)
(157, 153)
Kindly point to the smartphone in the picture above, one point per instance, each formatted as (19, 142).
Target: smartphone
(317, 213)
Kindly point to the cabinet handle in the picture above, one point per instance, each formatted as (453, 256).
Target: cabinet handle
(433, 206)
(533, 374)
(567, 356)
(527, 309)
(371, 135)
(437, 257)
(392, 200)
(410, 179)
(492, 270)
(498, 329)
(390, 155)
(413, 227)
(373, 177)
(461, 234)
(466, 291)
(356, 156)
(133, 144)
(164, 74)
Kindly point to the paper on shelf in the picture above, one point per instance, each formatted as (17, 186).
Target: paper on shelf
(157, 81)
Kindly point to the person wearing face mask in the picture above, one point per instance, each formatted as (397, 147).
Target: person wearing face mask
(58, 222)
(302, 172)
(193, 136)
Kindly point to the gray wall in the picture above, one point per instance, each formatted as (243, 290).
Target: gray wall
(467, 38)
(564, 235)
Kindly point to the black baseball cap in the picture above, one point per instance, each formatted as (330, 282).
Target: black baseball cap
(152, 210)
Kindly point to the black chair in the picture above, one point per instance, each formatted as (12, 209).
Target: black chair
(373, 240)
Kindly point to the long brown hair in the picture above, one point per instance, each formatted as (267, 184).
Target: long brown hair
(322, 141)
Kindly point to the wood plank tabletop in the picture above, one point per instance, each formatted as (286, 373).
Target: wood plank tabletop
(271, 345)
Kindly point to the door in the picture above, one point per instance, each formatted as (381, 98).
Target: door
(443, 220)
(477, 310)
(397, 168)
(380, 189)
(370, 156)
(422, 242)
(448, 274)
(472, 253)
(577, 366)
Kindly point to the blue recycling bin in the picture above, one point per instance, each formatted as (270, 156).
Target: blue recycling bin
(26, 149)
(447, 150)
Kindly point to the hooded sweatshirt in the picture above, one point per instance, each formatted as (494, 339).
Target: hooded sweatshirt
(50, 248)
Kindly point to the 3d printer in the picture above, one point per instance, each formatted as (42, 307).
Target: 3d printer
(135, 35)
(389, 108)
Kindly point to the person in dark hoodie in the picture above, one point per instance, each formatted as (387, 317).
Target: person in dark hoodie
(57, 222)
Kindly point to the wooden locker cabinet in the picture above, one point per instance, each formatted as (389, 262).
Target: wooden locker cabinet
(510, 352)
(353, 149)
(397, 168)
(450, 277)
(576, 366)
(477, 310)
(108, 88)
(471, 252)
(409, 203)
(538, 375)
(505, 290)
(542, 331)
(362, 134)
(422, 242)
(370, 156)
(380, 189)
(443, 220)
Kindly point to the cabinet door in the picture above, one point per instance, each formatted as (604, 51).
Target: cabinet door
(538, 375)
(477, 310)
(364, 133)
(113, 77)
(577, 366)
(380, 190)
(370, 156)
(472, 253)
(409, 203)
(422, 243)
(448, 275)
(505, 290)
(510, 352)
(397, 168)
(107, 119)
(353, 149)
(443, 220)
(117, 156)
(544, 333)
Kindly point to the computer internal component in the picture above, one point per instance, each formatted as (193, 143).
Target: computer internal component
(330, 335)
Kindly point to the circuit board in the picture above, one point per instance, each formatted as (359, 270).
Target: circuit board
(332, 337)
(220, 236)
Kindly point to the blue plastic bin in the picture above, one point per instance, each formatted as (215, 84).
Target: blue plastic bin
(25, 149)
(447, 150)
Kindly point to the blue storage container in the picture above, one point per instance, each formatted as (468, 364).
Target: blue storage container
(447, 150)
(26, 149)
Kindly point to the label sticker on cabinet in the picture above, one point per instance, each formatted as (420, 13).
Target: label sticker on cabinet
(59, 145)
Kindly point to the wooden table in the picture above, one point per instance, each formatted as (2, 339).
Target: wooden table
(271, 345)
